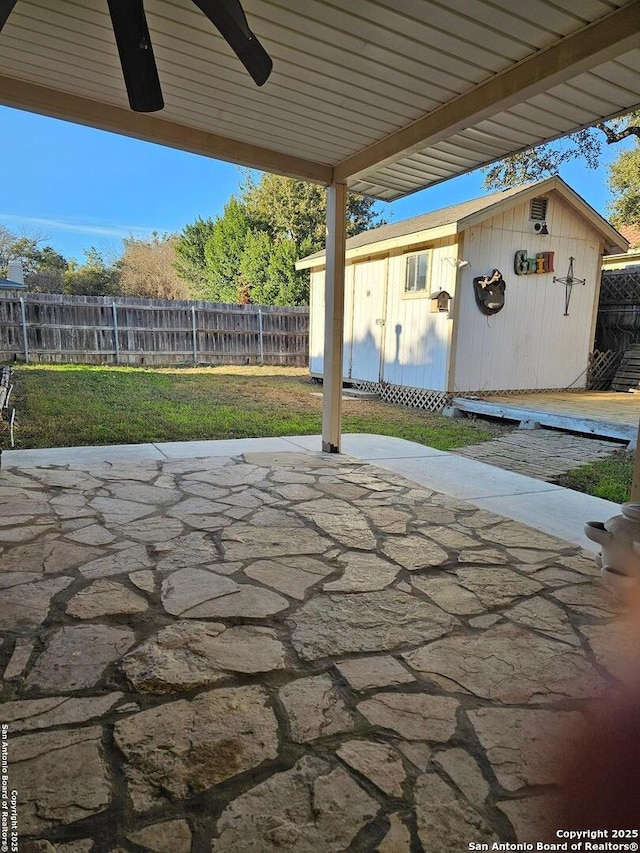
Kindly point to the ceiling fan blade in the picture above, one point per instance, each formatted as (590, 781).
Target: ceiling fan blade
(229, 18)
(136, 55)
(6, 8)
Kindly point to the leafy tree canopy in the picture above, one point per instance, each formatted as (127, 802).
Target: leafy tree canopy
(297, 210)
(624, 181)
(190, 262)
(249, 252)
(95, 277)
(43, 268)
(545, 160)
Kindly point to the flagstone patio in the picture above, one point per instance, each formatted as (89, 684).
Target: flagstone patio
(293, 651)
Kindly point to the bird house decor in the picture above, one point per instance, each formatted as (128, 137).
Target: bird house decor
(489, 291)
(440, 301)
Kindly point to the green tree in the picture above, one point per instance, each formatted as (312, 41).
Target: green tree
(43, 268)
(544, 160)
(223, 252)
(297, 210)
(624, 181)
(47, 273)
(96, 277)
(290, 285)
(253, 268)
(249, 252)
(190, 260)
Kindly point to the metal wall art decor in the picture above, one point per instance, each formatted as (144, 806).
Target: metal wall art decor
(524, 265)
(489, 292)
(569, 280)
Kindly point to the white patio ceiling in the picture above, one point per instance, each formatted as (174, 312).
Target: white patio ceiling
(389, 96)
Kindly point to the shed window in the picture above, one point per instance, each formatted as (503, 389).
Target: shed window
(538, 209)
(416, 278)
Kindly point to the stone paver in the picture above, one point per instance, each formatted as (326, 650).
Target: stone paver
(414, 716)
(62, 777)
(377, 762)
(398, 839)
(172, 836)
(447, 823)
(464, 770)
(183, 748)
(76, 657)
(508, 664)
(379, 671)
(105, 598)
(337, 624)
(288, 652)
(543, 454)
(315, 708)
(195, 654)
(527, 747)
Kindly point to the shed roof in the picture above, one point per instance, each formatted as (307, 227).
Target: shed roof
(388, 96)
(7, 284)
(457, 217)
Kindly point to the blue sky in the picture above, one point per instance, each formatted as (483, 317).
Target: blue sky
(78, 187)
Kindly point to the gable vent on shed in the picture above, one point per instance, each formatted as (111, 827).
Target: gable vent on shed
(538, 209)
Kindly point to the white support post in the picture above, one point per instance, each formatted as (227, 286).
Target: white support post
(334, 317)
(635, 483)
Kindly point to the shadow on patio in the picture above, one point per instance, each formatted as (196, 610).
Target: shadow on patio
(286, 651)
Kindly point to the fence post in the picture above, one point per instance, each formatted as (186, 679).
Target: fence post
(24, 330)
(261, 336)
(114, 311)
(194, 334)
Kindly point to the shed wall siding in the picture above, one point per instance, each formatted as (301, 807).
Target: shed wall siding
(389, 337)
(529, 344)
(416, 349)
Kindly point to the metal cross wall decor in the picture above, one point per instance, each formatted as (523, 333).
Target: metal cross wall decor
(568, 282)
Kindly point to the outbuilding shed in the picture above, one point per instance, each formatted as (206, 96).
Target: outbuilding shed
(499, 293)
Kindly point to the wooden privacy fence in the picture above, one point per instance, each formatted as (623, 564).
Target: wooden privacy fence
(55, 328)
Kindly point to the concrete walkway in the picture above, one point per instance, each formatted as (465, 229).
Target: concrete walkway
(544, 454)
(543, 506)
(269, 649)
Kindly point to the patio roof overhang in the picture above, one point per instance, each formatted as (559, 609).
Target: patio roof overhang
(385, 97)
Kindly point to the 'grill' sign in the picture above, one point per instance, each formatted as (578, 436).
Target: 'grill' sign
(523, 265)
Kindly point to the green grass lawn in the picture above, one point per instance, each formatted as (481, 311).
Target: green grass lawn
(72, 405)
(608, 478)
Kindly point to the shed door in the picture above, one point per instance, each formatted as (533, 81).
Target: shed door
(368, 320)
